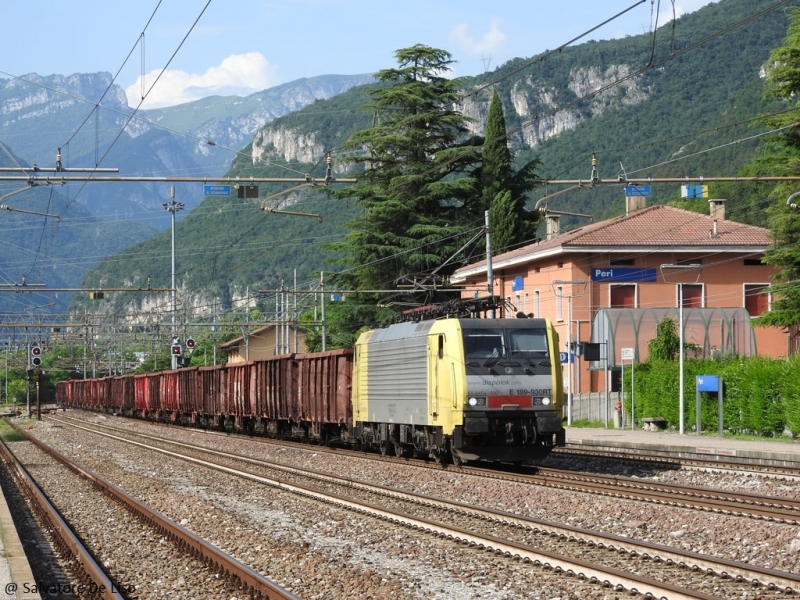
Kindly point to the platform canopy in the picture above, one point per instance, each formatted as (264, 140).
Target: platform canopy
(715, 332)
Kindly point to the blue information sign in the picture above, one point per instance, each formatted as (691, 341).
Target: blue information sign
(517, 284)
(564, 356)
(707, 383)
(637, 190)
(614, 274)
(216, 190)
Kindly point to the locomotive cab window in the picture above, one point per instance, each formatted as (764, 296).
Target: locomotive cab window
(526, 342)
(484, 343)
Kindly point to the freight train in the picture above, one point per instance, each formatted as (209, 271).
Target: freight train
(457, 389)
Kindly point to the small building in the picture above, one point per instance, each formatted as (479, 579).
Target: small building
(611, 282)
(266, 342)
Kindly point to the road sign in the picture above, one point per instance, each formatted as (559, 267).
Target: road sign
(694, 191)
(637, 190)
(626, 353)
(216, 190)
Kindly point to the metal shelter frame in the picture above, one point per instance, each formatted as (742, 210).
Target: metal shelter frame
(714, 331)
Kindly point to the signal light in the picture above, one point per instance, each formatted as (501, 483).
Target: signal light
(36, 358)
(176, 349)
(190, 344)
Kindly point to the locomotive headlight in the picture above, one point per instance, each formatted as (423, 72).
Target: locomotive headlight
(546, 401)
(475, 401)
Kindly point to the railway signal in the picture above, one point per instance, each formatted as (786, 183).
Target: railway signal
(190, 344)
(36, 356)
(176, 349)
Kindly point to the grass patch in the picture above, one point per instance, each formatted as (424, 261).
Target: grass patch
(759, 438)
(9, 435)
(586, 423)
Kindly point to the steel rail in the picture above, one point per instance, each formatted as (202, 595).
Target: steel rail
(251, 579)
(578, 567)
(68, 543)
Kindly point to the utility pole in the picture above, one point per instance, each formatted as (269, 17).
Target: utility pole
(173, 207)
(577, 289)
(7, 345)
(489, 272)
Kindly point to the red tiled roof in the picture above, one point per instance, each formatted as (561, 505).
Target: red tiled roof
(657, 226)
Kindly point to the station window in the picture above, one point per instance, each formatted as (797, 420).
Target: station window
(756, 298)
(622, 296)
(693, 295)
(559, 303)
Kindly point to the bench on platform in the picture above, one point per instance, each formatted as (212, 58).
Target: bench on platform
(654, 423)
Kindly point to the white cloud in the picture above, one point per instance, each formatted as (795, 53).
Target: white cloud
(682, 7)
(492, 40)
(239, 74)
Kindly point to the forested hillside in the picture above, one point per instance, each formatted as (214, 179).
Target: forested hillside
(680, 104)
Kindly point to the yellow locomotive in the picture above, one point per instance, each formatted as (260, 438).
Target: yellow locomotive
(465, 389)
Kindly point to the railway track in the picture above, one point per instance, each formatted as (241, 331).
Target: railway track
(778, 509)
(130, 514)
(87, 575)
(682, 459)
(612, 561)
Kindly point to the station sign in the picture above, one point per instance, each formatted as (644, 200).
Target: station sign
(637, 190)
(615, 274)
(565, 357)
(216, 190)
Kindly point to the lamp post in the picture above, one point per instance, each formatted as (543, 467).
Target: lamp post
(570, 353)
(173, 207)
(664, 269)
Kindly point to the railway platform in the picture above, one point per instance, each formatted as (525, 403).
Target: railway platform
(762, 451)
(15, 571)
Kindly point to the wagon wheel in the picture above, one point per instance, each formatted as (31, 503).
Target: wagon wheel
(457, 460)
(399, 451)
(384, 446)
(438, 456)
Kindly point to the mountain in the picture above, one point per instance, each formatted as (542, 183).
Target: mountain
(83, 115)
(680, 103)
(39, 115)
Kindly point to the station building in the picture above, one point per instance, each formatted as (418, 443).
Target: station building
(612, 282)
(266, 342)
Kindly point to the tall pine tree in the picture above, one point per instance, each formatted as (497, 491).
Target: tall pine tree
(503, 190)
(782, 157)
(418, 189)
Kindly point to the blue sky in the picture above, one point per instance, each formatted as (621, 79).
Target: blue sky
(241, 46)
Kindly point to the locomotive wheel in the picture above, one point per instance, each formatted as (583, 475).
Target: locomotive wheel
(399, 451)
(457, 461)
